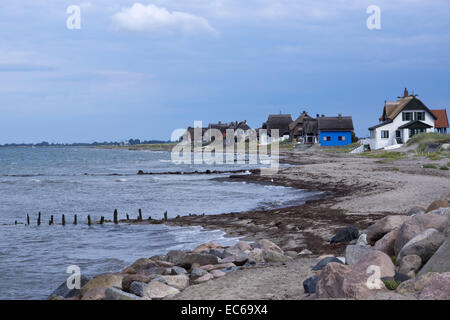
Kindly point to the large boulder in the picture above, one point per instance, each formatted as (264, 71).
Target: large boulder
(128, 279)
(97, 293)
(323, 262)
(179, 282)
(410, 263)
(206, 247)
(440, 261)
(197, 273)
(117, 294)
(204, 278)
(103, 281)
(176, 256)
(354, 252)
(153, 290)
(424, 245)
(438, 288)
(265, 244)
(339, 281)
(273, 256)
(65, 292)
(441, 203)
(243, 246)
(416, 225)
(379, 259)
(200, 258)
(442, 212)
(387, 242)
(385, 225)
(346, 234)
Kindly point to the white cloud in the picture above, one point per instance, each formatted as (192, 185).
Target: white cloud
(155, 20)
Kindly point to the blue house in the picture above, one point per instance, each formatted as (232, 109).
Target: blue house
(335, 131)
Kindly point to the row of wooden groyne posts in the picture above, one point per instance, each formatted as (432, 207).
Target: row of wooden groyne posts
(89, 221)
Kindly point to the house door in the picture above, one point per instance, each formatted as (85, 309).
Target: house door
(398, 136)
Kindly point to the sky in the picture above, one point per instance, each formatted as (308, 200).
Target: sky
(141, 69)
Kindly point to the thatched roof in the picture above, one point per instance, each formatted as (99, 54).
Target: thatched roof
(335, 123)
(393, 109)
(278, 121)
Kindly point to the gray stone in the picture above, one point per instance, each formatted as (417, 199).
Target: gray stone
(345, 235)
(425, 244)
(117, 294)
(137, 288)
(219, 253)
(177, 270)
(158, 290)
(176, 256)
(200, 258)
(440, 261)
(442, 212)
(272, 256)
(179, 282)
(376, 258)
(354, 252)
(438, 288)
(362, 240)
(410, 263)
(384, 226)
(63, 291)
(309, 285)
(197, 273)
(416, 210)
(322, 263)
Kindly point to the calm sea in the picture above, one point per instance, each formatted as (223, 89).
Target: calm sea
(85, 181)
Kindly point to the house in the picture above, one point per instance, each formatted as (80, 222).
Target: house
(335, 131)
(280, 122)
(221, 126)
(297, 130)
(400, 121)
(441, 123)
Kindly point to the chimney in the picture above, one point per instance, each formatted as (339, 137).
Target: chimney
(405, 93)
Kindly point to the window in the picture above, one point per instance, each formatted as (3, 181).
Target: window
(397, 134)
(384, 134)
(407, 116)
(419, 116)
(341, 138)
(326, 138)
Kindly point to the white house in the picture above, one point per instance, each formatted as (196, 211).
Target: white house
(400, 121)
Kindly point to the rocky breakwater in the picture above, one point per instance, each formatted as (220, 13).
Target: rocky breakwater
(398, 257)
(164, 276)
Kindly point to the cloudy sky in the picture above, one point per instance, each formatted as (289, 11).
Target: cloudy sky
(140, 69)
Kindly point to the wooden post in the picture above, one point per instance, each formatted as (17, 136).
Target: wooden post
(102, 219)
(51, 220)
(63, 220)
(165, 216)
(75, 219)
(140, 215)
(15, 222)
(128, 217)
(39, 219)
(89, 220)
(28, 219)
(115, 216)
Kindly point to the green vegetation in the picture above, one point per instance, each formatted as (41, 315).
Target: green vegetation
(391, 284)
(394, 260)
(423, 139)
(341, 149)
(395, 169)
(444, 168)
(429, 166)
(386, 156)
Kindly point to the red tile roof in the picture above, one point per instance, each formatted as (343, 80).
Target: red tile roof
(442, 120)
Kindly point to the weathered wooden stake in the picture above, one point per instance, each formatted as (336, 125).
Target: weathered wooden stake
(115, 217)
(63, 220)
(75, 219)
(51, 221)
(39, 219)
(165, 216)
(128, 217)
(28, 219)
(15, 222)
(140, 215)
(89, 220)
(102, 219)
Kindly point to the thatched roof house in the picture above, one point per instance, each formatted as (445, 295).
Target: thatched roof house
(278, 121)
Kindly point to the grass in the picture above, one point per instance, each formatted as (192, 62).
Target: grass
(394, 260)
(341, 149)
(443, 168)
(391, 284)
(423, 139)
(429, 166)
(395, 169)
(386, 156)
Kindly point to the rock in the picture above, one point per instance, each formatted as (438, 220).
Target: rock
(440, 261)
(445, 196)
(362, 240)
(204, 278)
(128, 279)
(416, 225)
(323, 262)
(158, 290)
(345, 234)
(269, 245)
(175, 270)
(256, 255)
(117, 294)
(176, 256)
(438, 288)
(97, 293)
(273, 256)
(401, 277)
(240, 259)
(422, 280)
(219, 253)
(406, 287)
(243, 245)
(385, 225)
(442, 212)
(425, 244)
(63, 291)
(217, 273)
(309, 285)
(304, 252)
(195, 266)
(354, 252)
(410, 263)
(210, 267)
(291, 254)
(339, 281)
(197, 273)
(390, 295)
(387, 242)
(416, 210)
(206, 247)
(137, 288)
(140, 265)
(441, 203)
(200, 258)
(103, 281)
(376, 258)
(155, 270)
(179, 282)
(164, 264)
